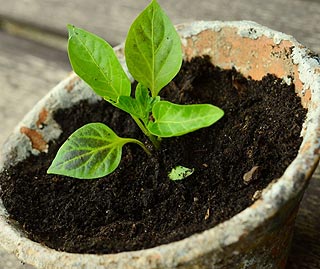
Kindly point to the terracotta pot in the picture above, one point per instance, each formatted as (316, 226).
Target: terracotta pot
(259, 236)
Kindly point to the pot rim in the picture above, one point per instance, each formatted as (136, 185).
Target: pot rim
(294, 179)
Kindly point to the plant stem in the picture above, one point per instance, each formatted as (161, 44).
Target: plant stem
(132, 140)
(152, 138)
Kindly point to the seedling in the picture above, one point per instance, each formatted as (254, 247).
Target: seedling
(154, 56)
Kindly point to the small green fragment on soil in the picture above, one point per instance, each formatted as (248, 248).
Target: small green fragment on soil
(180, 172)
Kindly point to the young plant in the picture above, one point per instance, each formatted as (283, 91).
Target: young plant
(154, 56)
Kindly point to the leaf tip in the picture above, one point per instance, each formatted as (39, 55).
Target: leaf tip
(220, 112)
(70, 28)
(154, 2)
(51, 170)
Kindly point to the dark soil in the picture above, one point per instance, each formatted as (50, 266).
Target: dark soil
(137, 206)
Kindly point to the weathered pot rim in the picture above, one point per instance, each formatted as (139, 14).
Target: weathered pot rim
(293, 180)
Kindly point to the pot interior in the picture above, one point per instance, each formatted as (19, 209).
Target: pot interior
(254, 56)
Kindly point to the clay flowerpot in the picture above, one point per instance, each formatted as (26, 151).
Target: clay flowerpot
(257, 237)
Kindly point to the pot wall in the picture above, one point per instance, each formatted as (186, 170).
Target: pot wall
(259, 236)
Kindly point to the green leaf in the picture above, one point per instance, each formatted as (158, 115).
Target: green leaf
(141, 106)
(175, 120)
(180, 172)
(153, 49)
(131, 106)
(92, 151)
(144, 99)
(94, 60)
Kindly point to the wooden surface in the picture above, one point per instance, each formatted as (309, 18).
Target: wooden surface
(27, 72)
(33, 60)
(111, 19)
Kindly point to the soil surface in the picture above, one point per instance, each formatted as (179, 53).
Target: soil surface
(137, 206)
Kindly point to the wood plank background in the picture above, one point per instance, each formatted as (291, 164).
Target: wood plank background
(33, 59)
(111, 19)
